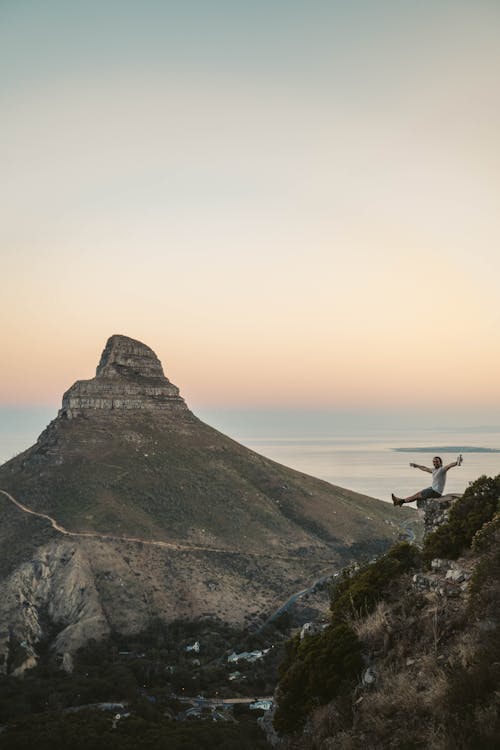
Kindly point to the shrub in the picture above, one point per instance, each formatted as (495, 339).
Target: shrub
(484, 600)
(487, 536)
(317, 670)
(326, 666)
(472, 706)
(357, 594)
(92, 730)
(477, 506)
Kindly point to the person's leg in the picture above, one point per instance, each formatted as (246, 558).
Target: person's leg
(422, 495)
(403, 500)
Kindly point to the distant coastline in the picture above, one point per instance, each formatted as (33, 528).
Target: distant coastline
(448, 449)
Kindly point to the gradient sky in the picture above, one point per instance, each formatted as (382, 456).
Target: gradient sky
(294, 204)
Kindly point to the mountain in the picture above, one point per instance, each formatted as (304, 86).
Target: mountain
(128, 507)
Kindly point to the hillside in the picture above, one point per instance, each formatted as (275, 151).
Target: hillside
(411, 656)
(128, 507)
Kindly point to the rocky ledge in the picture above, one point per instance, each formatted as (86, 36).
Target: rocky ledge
(436, 511)
(129, 376)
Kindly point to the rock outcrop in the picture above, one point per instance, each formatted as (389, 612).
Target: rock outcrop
(54, 593)
(129, 376)
(436, 511)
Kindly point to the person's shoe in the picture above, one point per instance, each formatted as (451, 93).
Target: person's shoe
(397, 500)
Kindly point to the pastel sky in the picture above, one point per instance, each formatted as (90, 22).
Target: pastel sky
(295, 204)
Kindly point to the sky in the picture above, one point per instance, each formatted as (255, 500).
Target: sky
(296, 205)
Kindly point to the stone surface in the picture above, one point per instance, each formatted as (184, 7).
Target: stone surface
(126, 357)
(310, 628)
(438, 565)
(369, 677)
(129, 376)
(436, 511)
(56, 586)
(455, 575)
(421, 582)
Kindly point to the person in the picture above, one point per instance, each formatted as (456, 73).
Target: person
(438, 481)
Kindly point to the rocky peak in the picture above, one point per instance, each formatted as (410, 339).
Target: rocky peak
(126, 357)
(129, 376)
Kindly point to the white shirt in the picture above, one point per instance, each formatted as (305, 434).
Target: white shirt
(438, 479)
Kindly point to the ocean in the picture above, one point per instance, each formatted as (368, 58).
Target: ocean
(365, 461)
(370, 464)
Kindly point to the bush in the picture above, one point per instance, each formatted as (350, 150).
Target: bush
(317, 669)
(472, 706)
(357, 594)
(478, 505)
(484, 539)
(484, 599)
(93, 730)
(327, 665)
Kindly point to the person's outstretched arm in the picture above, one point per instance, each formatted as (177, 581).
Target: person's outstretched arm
(458, 462)
(422, 468)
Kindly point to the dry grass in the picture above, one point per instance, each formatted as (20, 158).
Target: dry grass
(487, 716)
(400, 710)
(465, 649)
(373, 630)
(325, 722)
(403, 706)
(408, 705)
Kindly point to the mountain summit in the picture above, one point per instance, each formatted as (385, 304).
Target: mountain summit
(128, 508)
(128, 376)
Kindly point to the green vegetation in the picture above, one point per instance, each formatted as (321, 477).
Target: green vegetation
(154, 661)
(472, 707)
(477, 506)
(483, 539)
(93, 730)
(327, 665)
(316, 670)
(472, 711)
(357, 593)
(150, 476)
(147, 671)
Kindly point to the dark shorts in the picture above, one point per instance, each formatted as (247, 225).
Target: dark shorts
(428, 493)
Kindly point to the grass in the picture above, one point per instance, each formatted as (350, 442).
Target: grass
(166, 478)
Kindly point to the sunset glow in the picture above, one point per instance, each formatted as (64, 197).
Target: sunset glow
(293, 204)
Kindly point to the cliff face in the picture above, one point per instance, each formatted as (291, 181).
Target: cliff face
(53, 595)
(128, 508)
(72, 590)
(128, 376)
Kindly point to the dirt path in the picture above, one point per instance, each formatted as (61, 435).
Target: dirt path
(138, 540)
(94, 534)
